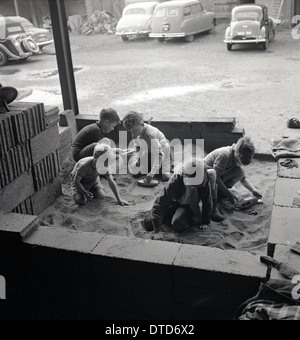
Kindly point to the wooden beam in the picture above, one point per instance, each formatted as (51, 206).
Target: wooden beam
(63, 54)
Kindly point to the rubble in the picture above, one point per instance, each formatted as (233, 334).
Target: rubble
(100, 22)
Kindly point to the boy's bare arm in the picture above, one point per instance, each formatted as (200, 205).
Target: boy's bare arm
(114, 188)
(251, 188)
(80, 188)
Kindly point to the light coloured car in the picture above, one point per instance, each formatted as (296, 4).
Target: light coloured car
(41, 36)
(136, 20)
(181, 19)
(250, 24)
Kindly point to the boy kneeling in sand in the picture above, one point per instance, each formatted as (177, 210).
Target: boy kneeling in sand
(86, 177)
(179, 203)
(153, 154)
(227, 163)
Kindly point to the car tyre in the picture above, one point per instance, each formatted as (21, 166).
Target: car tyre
(31, 46)
(189, 38)
(125, 38)
(229, 47)
(3, 58)
(161, 40)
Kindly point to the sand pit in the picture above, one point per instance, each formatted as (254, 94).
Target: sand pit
(244, 230)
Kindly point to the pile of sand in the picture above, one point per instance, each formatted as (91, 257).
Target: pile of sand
(243, 230)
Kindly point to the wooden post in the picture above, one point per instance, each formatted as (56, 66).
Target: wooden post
(17, 8)
(63, 54)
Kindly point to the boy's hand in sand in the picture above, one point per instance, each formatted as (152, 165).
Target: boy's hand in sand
(89, 196)
(233, 199)
(123, 203)
(257, 194)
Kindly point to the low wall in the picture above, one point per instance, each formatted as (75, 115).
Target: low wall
(216, 132)
(62, 274)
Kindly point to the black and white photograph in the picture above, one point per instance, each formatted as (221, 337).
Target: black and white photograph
(149, 162)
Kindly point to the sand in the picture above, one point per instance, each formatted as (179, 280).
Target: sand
(242, 230)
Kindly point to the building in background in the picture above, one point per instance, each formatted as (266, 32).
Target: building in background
(37, 10)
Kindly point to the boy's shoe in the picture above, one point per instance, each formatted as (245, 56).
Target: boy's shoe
(217, 216)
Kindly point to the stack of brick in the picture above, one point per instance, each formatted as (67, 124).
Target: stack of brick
(29, 158)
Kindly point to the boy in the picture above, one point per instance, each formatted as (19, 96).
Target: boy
(86, 140)
(227, 162)
(179, 203)
(153, 149)
(86, 178)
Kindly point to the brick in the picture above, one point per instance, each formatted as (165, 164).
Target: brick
(46, 196)
(67, 118)
(65, 137)
(289, 172)
(286, 192)
(44, 144)
(285, 255)
(16, 223)
(16, 192)
(71, 240)
(231, 262)
(137, 249)
(51, 116)
(284, 225)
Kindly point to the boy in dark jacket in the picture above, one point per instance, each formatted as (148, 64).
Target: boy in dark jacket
(179, 203)
(86, 140)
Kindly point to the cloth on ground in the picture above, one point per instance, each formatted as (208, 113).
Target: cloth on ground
(285, 148)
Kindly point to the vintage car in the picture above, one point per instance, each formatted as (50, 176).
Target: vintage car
(185, 18)
(41, 36)
(15, 43)
(250, 24)
(136, 20)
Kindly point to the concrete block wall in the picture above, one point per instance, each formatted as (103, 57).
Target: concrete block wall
(216, 132)
(285, 231)
(29, 162)
(65, 274)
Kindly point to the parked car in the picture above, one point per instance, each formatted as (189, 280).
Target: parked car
(136, 20)
(250, 24)
(184, 18)
(15, 43)
(41, 36)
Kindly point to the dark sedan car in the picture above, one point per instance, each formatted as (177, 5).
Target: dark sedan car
(250, 24)
(15, 43)
(41, 36)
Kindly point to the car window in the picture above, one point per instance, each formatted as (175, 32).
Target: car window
(135, 11)
(187, 11)
(172, 12)
(14, 29)
(195, 9)
(247, 15)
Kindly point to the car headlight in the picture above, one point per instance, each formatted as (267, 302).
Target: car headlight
(17, 44)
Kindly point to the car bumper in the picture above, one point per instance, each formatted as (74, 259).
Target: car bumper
(134, 33)
(167, 35)
(244, 41)
(44, 43)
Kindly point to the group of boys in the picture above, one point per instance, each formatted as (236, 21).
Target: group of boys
(194, 181)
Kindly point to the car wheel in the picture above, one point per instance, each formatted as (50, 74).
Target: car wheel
(3, 58)
(31, 46)
(265, 45)
(125, 38)
(229, 47)
(190, 38)
(161, 40)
